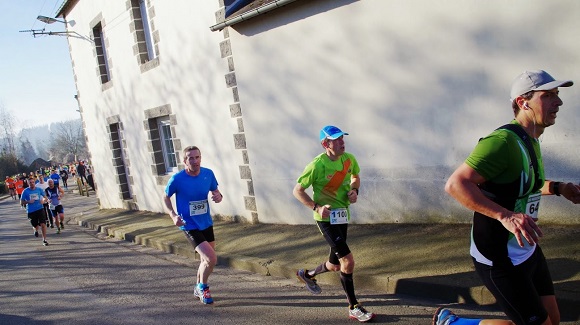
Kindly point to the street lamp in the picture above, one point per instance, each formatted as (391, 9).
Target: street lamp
(50, 20)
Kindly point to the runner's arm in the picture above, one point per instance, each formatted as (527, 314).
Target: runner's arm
(352, 194)
(169, 209)
(462, 186)
(570, 191)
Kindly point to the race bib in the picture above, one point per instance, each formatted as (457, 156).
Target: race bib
(338, 216)
(197, 207)
(533, 205)
(51, 206)
(34, 197)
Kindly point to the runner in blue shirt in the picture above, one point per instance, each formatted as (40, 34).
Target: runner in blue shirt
(55, 177)
(34, 198)
(191, 187)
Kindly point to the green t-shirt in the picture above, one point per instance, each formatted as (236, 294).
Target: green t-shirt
(330, 180)
(502, 158)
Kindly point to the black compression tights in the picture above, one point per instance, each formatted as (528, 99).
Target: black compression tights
(348, 286)
(319, 269)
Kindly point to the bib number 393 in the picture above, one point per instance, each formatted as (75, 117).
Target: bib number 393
(197, 207)
(533, 205)
(338, 216)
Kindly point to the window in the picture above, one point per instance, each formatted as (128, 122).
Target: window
(101, 52)
(119, 164)
(141, 26)
(233, 6)
(238, 7)
(166, 138)
(163, 145)
(147, 30)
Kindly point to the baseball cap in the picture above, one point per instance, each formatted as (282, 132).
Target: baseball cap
(535, 80)
(331, 132)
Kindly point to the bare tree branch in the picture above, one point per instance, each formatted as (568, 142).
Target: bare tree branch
(7, 124)
(67, 141)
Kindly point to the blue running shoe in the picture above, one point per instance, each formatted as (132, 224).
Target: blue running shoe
(444, 316)
(202, 292)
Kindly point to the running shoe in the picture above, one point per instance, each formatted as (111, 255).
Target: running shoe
(58, 230)
(61, 225)
(443, 316)
(51, 226)
(44, 243)
(36, 233)
(360, 314)
(202, 292)
(310, 282)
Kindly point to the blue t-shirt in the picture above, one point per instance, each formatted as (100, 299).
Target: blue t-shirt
(191, 197)
(28, 193)
(55, 178)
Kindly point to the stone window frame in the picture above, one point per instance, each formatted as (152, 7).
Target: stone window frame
(144, 32)
(120, 162)
(169, 156)
(154, 145)
(104, 62)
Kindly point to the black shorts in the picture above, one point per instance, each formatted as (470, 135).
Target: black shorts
(197, 237)
(335, 236)
(518, 289)
(37, 217)
(57, 209)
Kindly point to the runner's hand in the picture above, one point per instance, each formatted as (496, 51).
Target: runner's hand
(324, 211)
(572, 192)
(217, 197)
(177, 220)
(352, 196)
(522, 225)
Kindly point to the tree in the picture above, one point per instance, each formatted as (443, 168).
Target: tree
(10, 165)
(42, 149)
(7, 124)
(39, 137)
(27, 152)
(67, 141)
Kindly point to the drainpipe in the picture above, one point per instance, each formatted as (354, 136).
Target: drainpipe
(250, 14)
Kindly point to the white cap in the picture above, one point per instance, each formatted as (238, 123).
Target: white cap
(535, 80)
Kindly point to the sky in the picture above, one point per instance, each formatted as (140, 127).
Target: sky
(36, 77)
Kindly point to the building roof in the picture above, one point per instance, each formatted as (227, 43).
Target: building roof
(65, 7)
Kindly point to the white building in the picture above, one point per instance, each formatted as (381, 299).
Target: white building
(415, 83)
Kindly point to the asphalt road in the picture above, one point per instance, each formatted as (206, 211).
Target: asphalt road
(83, 277)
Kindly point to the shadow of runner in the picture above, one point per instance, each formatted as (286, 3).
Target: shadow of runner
(467, 288)
(18, 320)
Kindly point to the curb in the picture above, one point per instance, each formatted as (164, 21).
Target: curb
(448, 288)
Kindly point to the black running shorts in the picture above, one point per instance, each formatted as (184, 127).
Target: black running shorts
(37, 217)
(518, 289)
(197, 237)
(335, 236)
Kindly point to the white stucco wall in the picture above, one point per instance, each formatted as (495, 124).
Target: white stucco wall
(190, 78)
(416, 83)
